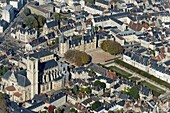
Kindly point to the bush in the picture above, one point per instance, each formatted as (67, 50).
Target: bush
(79, 58)
(112, 47)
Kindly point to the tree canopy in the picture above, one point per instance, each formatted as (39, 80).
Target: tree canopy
(77, 57)
(59, 16)
(134, 92)
(58, 110)
(112, 47)
(100, 84)
(87, 90)
(3, 70)
(3, 106)
(27, 11)
(41, 20)
(73, 110)
(76, 89)
(34, 21)
(96, 104)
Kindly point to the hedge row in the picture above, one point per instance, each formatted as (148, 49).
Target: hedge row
(120, 71)
(156, 91)
(143, 73)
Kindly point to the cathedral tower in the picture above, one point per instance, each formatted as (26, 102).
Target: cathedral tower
(32, 75)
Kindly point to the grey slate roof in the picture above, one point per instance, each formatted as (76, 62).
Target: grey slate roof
(52, 24)
(66, 28)
(17, 109)
(96, 7)
(103, 2)
(38, 41)
(138, 57)
(20, 75)
(29, 31)
(47, 65)
(167, 63)
(109, 80)
(40, 54)
(98, 69)
(160, 68)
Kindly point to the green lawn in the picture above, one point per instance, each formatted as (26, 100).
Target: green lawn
(156, 91)
(120, 71)
(142, 73)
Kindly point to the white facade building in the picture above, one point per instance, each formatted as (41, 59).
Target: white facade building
(18, 4)
(8, 13)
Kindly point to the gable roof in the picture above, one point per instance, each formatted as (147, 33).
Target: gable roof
(47, 65)
(40, 54)
(52, 24)
(20, 75)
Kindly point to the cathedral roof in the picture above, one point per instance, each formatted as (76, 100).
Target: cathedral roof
(47, 65)
(40, 54)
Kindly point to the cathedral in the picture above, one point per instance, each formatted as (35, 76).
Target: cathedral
(41, 72)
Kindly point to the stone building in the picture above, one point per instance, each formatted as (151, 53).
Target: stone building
(86, 42)
(43, 74)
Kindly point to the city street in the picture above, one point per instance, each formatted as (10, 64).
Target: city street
(6, 39)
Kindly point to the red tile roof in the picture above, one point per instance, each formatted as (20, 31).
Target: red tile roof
(10, 88)
(111, 75)
(17, 94)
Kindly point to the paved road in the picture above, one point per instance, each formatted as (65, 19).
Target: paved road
(6, 39)
(137, 75)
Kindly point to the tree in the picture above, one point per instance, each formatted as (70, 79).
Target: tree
(31, 22)
(100, 84)
(120, 111)
(73, 110)
(27, 11)
(3, 70)
(77, 57)
(87, 90)
(112, 47)
(103, 85)
(41, 20)
(110, 112)
(96, 28)
(75, 89)
(96, 104)
(57, 16)
(134, 92)
(3, 104)
(58, 110)
(97, 83)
